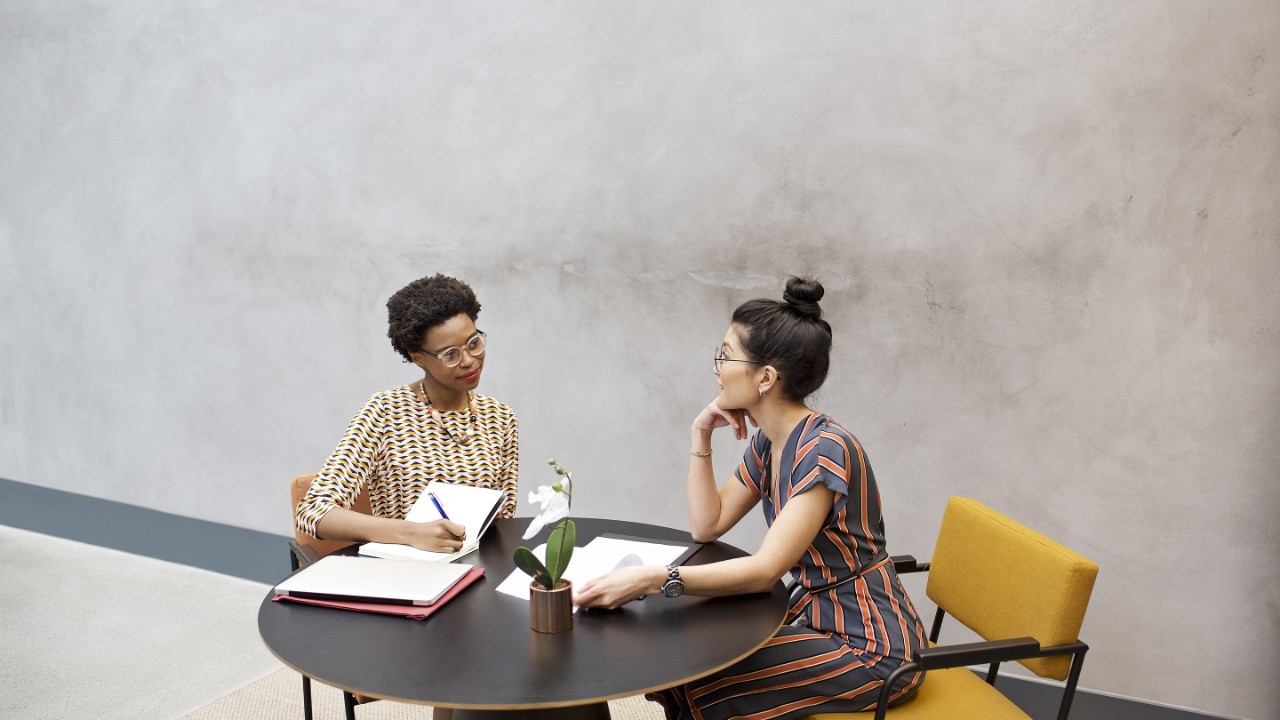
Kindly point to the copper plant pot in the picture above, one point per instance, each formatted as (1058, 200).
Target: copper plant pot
(551, 611)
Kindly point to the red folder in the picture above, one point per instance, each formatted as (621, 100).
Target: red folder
(413, 612)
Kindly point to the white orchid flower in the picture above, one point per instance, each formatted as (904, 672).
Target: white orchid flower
(553, 504)
(553, 507)
(541, 496)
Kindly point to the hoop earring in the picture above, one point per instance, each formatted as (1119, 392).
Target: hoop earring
(761, 392)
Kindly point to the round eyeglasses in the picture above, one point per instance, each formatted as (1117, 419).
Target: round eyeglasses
(451, 356)
(721, 359)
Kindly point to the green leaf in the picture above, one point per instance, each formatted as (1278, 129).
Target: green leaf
(560, 549)
(529, 563)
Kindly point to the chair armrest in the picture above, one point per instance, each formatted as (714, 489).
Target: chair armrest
(979, 653)
(303, 555)
(908, 564)
(949, 656)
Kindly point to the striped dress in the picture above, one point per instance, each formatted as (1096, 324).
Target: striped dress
(850, 623)
(395, 447)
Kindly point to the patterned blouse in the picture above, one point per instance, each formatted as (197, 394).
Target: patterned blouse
(394, 446)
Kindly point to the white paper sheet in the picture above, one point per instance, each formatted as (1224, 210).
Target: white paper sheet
(598, 557)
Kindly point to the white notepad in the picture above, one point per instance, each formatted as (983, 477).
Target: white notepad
(474, 508)
(400, 582)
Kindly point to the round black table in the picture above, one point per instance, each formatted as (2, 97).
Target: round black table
(478, 654)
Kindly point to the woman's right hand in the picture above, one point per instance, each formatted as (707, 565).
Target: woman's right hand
(437, 536)
(713, 416)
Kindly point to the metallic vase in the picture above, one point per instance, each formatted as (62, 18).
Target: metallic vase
(551, 611)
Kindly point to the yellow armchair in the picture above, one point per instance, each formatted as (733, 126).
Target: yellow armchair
(1022, 592)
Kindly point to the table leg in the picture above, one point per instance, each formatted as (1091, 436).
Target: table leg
(598, 711)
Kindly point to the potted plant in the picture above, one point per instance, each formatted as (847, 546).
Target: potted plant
(550, 595)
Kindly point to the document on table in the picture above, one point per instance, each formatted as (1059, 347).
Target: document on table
(600, 556)
(361, 579)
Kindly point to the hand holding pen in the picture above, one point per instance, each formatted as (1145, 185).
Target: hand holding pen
(443, 535)
(461, 535)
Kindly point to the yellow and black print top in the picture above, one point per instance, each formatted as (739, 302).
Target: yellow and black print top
(395, 447)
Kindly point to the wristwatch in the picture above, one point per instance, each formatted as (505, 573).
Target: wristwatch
(674, 586)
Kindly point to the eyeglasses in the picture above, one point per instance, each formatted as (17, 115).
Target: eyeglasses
(721, 358)
(451, 356)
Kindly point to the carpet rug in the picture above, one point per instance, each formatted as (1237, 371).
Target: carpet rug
(278, 696)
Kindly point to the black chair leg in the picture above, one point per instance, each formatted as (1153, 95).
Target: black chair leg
(1073, 677)
(349, 704)
(306, 697)
(937, 625)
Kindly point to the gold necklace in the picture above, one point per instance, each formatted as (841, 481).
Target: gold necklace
(472, 415)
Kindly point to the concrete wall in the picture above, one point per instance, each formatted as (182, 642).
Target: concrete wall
(1049, 233)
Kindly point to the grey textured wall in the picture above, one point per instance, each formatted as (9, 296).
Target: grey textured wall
(1049, 234)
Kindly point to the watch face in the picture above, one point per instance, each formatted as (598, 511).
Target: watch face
(673, 588)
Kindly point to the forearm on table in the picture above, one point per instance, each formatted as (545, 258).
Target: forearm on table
(729, 577)
(343, 524)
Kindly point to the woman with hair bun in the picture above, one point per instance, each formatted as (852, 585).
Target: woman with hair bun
(850, 623)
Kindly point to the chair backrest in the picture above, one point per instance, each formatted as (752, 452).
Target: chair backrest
(1005, 580)
(298, 490)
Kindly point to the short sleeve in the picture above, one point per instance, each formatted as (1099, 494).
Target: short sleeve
(750, 470)
(832, 460)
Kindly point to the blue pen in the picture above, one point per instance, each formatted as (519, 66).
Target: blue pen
(439, 508)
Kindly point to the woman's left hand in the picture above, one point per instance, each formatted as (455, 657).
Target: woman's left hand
(620, 586)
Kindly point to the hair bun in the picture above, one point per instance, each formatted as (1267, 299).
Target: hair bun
(803, 294)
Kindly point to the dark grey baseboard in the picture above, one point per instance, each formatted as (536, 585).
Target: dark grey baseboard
(1041, 701)
(225, 549)
(264, 557)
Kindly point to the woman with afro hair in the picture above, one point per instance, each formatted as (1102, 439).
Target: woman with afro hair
(436, 427)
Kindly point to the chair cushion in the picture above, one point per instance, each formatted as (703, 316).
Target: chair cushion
(1005, 580)
(955, 694)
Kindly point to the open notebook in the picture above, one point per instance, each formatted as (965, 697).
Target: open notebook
(474, 508)
(396, 582)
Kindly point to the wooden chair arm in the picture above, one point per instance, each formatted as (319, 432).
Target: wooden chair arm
(301, 555)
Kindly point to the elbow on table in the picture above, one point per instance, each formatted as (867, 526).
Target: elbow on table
(764, 583)
(703, 536)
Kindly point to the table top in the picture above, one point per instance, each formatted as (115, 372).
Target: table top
(479, 652)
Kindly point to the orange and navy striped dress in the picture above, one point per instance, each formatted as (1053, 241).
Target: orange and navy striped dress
(850, 623)
(395, 447)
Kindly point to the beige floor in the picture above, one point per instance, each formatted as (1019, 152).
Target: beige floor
(95, 633)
